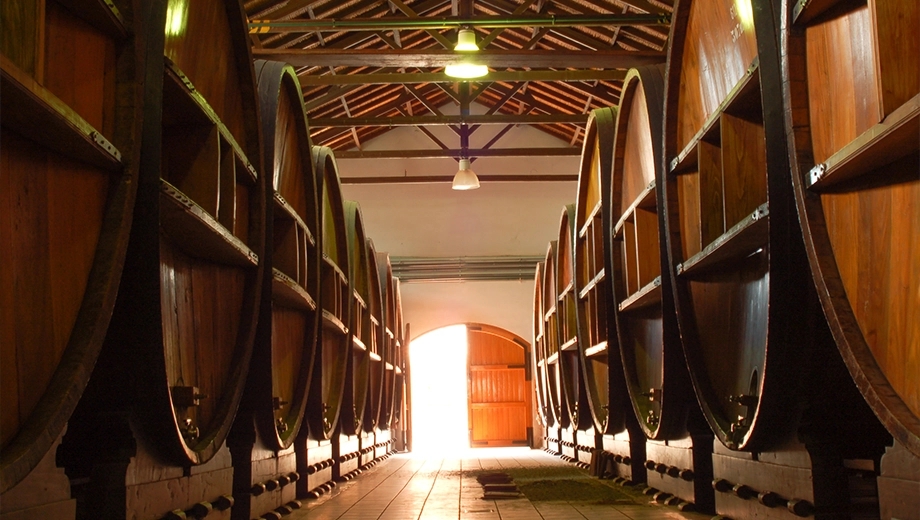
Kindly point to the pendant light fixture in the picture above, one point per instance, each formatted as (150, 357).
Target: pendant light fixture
(465, 178)
(466, 69)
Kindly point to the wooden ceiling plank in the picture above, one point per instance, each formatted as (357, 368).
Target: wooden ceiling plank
(495, 32)
(391, 42)
(447, 44)
(447, 90)
(423, 100)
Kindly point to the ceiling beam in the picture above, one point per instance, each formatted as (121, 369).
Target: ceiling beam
(440, 77)
(434, 23)
(431, 179)
(456, 153)
(495, 58)
(501, 119)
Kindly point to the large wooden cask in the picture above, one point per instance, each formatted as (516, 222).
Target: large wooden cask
(173, 368)
(178, 350)
(284, 352)
(200, 240)
(326, 389)
(539, 355)
(653, 357)
(397, 365)
(678, 454)
(599, 350)
(852, 92)
(377, 338)
(357, 375)
(730, 228)
(571, 371)
(555, 403)
(69, 156)
(271, 416)
(391, 323)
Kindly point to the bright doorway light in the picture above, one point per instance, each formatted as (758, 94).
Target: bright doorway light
(440, 425)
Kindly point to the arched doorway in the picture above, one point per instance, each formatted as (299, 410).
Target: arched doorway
(480, 369)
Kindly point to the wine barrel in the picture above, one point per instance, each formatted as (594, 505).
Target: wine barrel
(325, 400)
(70, 154)
(357, 375)
(570, 370)
(398, 362)
(555, 402)
(539, 355)
(598, 347)
(733, 248)
(190, 313)
(390, 320)
(377, 338)
(289, 319)
(653, 359)
(852, 92)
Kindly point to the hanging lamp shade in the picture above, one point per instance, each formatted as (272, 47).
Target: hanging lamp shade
(465, 179)
(466, 42)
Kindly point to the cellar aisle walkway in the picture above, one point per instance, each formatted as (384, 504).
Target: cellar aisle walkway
(414, 486)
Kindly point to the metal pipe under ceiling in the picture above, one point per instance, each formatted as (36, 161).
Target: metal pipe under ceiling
(464, 268)
(451, 22)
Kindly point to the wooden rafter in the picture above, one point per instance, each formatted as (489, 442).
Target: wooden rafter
(436, 77)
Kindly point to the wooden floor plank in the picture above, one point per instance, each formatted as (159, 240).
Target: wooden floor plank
(406, 487)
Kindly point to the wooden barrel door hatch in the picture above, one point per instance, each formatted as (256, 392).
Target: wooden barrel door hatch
(324, 403)
(388, 349)
(376, 338)
(852, 92)
(555, 402)
(211, 227)
(538, 354)
(653, 357)
(570, 365)
(741, 299)
(70, 159)
(357, 375)
(284, 351)
(599, 353)
(499, 387)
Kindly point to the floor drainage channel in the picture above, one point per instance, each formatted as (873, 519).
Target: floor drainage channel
(498, 486)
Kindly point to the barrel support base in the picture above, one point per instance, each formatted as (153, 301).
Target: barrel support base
(899, 484)
(44, 493)
(263, 479)
(314, 464)
(683, 468)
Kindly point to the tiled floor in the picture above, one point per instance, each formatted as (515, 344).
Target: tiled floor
(408, 486)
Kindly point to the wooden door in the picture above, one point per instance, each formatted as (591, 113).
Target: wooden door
(499, 388)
